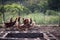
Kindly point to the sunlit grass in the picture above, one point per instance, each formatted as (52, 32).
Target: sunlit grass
(39, 18)
(43, 19)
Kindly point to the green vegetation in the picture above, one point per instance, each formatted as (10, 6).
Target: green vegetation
(38, 10)
(40, 18)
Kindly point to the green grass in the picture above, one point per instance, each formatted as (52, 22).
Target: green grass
(39, 18)
(0, 18)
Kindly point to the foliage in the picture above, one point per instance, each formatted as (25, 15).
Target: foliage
(13, 6)
(54, 5)
(41, 11)
(51, 12)
(40, 18)
(0, 17)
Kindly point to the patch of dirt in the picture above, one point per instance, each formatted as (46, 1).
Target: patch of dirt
(53, 30)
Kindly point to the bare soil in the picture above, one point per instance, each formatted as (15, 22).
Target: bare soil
(52, 29)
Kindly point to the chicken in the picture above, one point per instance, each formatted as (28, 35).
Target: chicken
(27, 23)
(10, 24)
(17, 24)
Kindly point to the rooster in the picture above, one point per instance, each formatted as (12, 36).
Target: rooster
(18, 24)
(9, 24)
(28, 23)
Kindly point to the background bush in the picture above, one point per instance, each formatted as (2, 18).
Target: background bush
(38, 10)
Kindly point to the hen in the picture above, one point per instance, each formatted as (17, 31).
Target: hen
(10, 24)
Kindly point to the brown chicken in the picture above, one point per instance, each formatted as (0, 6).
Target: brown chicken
(27, 23)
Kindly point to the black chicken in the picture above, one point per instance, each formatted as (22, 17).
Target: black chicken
(10, 24)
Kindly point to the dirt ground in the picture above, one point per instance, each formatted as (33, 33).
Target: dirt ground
(53, 30)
